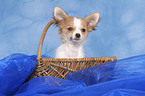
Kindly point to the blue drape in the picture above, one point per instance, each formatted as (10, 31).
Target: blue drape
(125, 77)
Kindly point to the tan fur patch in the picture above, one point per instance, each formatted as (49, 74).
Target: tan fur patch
(69, 22)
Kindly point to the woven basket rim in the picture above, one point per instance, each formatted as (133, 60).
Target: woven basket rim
(80, 59)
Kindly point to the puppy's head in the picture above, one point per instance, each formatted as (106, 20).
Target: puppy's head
(73, 29)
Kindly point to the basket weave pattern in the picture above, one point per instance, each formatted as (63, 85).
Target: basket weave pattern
(60, 67)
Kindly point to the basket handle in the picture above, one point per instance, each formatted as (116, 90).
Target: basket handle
(39, 55)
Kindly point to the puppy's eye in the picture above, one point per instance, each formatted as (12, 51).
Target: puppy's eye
(70, 28)
(83, 30)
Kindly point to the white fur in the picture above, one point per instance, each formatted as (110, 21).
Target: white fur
(70, 49)
(77, 24)
(67, 50)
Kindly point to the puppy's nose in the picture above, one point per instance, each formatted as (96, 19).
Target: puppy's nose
(78, 35)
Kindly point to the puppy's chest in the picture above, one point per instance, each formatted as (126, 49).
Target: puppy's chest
(72, 51)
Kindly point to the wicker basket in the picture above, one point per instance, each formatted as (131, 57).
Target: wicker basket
(60, 67)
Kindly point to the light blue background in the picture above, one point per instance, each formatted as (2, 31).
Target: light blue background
(121, 31)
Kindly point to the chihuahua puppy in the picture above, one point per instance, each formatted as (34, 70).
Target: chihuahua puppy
(73, 32)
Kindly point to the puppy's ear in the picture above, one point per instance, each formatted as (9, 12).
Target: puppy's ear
(92, 21)
(59, 16)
